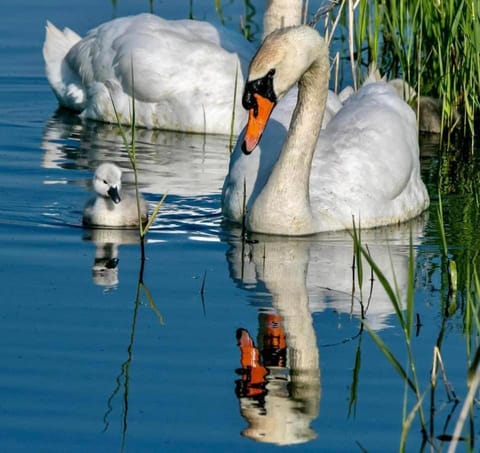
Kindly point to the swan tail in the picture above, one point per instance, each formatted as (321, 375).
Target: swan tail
(63, 80)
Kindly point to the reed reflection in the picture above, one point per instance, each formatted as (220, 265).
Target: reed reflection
(279, 389)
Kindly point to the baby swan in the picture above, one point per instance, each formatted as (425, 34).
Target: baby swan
(111, 207)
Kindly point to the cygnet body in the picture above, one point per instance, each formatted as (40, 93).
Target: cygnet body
(112, 207)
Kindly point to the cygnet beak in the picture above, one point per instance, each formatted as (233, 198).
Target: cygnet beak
(114, 195)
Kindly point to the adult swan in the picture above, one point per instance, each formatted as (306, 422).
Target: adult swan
(365, 163)
(184, 70)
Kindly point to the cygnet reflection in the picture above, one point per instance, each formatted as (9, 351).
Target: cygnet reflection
(105, 265)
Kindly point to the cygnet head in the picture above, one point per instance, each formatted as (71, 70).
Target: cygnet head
(107, 181)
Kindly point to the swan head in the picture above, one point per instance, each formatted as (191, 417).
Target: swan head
(285, 57)
(107, 181)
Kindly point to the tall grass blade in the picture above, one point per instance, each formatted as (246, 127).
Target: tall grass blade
(232, 124)
(386, 286)
(410, 289)
(390, 357)
(466, 408)
(154, 214)
(352, 405)
(407, 424)
(152, 305)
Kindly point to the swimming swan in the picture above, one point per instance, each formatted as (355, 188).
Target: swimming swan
(184, 70)
(111, 207)
(364, 164)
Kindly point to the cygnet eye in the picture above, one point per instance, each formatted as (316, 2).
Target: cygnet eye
(105, 182)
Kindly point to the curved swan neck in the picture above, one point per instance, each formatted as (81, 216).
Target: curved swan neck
(285, 276)
(307, 117)
(280, 14)
(283, 206)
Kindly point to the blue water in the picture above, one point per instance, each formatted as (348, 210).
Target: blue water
(86, 368)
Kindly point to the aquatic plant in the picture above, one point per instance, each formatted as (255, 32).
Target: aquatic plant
(434, 46)
(409, 324)
(130, 146)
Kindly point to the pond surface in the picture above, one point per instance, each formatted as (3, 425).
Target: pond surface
(86, 368)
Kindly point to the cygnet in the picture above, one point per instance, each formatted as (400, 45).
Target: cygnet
(111, 207)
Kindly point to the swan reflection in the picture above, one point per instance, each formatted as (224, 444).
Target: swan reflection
(105, 264)
(178, 163)
(327, 259)
(280, 387)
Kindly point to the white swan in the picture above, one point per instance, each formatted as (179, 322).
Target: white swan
(111, 207)
(429, 109)
(367, 159)
(184, 70)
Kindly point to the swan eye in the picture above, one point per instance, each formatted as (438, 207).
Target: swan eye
(249, 101)
(262, 86)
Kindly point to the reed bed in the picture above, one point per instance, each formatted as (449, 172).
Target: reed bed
(432, 45)
(459, 425)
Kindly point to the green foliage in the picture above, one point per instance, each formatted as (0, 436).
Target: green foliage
(249, 27)
(464, 280)
(433, 45)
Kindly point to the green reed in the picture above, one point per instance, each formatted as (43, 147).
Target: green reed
(405, 319)
(130, 146)
(249, 27)
(468, 310)
(434, 46)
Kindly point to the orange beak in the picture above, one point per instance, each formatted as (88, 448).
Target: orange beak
(256, 123)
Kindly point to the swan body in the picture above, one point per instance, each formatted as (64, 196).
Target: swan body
(364, 164)
(111, 207)
(183, 72)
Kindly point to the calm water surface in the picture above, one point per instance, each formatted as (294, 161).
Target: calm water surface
(85, 368)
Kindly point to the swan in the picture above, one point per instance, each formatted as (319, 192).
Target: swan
(429, 109)
(111, 207)
(364, 164)
(184, 71)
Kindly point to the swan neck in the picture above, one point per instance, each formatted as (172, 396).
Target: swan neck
(285, 277)
(295, 160)
(308, 114)
(283, 206)
(280, 14)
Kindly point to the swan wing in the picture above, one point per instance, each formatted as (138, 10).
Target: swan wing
(367, 159)
(184, 71)
(64, 81)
